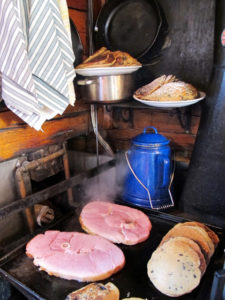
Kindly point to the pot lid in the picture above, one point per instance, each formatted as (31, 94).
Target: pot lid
(149, 138)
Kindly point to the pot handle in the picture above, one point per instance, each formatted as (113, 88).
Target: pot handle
(132, 171)
(166, 170)
(148, 191)
(85, 82)
(150, 127)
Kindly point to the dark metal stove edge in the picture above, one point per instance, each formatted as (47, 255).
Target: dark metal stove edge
(163, 217)
(26, 291)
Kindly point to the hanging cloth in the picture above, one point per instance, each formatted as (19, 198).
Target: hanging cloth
(63, 8)
(36, 59)
(17, 83)
(50, 54)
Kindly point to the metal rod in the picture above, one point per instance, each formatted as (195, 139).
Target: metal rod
(67, 174)
(90, 26)
(52, 191)
(96, 133)
(91, 50)
(36, 163)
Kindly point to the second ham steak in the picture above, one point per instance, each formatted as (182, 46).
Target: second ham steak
(117, 223)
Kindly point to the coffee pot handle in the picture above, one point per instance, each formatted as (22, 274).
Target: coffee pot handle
(147, 190)
(166, 172)
(150, 127)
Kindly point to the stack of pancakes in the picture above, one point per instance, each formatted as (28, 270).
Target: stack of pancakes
(178, 264)
(106, 58)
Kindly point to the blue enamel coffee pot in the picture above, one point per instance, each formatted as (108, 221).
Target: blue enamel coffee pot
(149, 171)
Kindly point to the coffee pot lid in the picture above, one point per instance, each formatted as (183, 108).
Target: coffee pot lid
(149, 138)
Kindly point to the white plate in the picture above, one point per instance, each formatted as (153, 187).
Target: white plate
(107, 71)
(171, 103)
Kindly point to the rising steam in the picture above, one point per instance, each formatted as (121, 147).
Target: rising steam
(107, 186)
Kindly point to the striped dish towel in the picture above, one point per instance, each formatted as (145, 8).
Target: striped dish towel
(63, 8)
(36, 59)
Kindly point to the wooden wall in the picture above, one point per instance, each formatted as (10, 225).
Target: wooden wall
(78, 13)
(167, 123)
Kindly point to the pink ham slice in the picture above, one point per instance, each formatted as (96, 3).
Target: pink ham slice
(74, 255)
(117, 223)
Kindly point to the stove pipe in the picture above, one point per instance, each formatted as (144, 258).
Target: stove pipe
(203, 194)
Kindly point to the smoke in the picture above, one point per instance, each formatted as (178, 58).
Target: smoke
(108, 186)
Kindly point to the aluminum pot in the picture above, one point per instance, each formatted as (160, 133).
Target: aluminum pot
(106, 89)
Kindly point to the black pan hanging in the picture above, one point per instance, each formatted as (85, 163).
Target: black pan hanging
(133, 26)
(76, 44)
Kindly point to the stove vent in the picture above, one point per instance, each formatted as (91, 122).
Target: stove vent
(204, 191)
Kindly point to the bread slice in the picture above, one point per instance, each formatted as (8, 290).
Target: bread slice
(174, 268)
(151, 87)
(173, 91)
(96, 291)
(197, 234)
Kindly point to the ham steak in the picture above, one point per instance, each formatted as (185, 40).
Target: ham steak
(75, 255)
(117, 223)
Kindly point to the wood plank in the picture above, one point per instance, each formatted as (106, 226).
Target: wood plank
(104, 118)
(9, 120)
(22, 138)
(80, 20)
(78, 4)
(122, 138)
(97, 5)
(168, 122)
(79, 105)
(17, 137)
(162, 120)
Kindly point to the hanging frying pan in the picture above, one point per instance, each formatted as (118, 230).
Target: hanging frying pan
(76, 44)
(133, 26)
